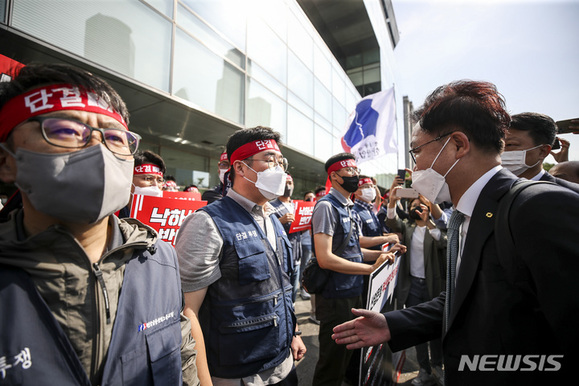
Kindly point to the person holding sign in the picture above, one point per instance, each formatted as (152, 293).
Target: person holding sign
(86, 298)
(236, 266)
(332, 227)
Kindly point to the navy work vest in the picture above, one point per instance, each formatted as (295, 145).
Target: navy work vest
(370, 224)
(145, 346)
(342, 285)
(247, 316)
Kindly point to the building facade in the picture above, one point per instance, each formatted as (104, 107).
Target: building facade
(194, 71)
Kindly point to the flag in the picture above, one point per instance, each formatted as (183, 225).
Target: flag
(371, 128)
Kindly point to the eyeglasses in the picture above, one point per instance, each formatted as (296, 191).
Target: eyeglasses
(151, 180)
(223, 165)
(413, 150)
(352, 170)
(72, 134)
(273, 162)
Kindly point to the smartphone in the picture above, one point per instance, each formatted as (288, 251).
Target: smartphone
(556, 144)
(402, 173)
(406, 193)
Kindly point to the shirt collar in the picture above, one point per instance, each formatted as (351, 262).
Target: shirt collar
(249, 205)
(364, 204)
(469, 198)
(343, 200)
(538, 176)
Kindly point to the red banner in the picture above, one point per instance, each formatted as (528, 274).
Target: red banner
(192, 196)
(163, 214)
(303, 215)
(8, 68)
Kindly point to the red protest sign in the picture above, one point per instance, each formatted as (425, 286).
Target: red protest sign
(303, 215)
(9, 68)
(162, 214)
(193, 196)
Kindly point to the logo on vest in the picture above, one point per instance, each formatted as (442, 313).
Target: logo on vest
(22, 359)
(156, 321)
(244, 235)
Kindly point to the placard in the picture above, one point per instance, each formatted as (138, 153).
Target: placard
(303, 215)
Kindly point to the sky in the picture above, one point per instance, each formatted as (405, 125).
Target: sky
(528, 49)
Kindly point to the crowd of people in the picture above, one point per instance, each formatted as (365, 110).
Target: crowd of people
(91, 296)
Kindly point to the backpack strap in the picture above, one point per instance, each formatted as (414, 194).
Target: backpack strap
(513, 265)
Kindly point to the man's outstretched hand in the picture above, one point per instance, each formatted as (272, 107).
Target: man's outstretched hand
(368, 329)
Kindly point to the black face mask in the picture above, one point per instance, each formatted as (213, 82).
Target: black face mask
(350, 184)
(288, 191)
(415, 213)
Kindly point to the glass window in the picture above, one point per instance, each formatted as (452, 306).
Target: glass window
(214, 84)
(210, 38)
(123, 35)
(267, 50)
(339, 114)
(299, 104)
(266, 79)
(300, 41)
(323, 67)
(322, 100)
(300, 79)
(275, 14)
(227, 16)
(338, 87)
(300, 131)
(322, 138)
(165, 6)
(265, 108)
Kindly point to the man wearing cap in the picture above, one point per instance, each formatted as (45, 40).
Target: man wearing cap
(236, 265)
(284, 211)
(372, 236)
(86, 298)
(220, 189)
(331, 223)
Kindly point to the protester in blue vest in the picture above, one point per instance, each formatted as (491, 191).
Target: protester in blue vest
(372, 235)
(86, 298)
(236, 264)
(331, 223)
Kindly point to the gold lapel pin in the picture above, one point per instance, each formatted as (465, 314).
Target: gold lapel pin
(489, 214)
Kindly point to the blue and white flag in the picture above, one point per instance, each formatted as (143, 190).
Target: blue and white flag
(371, 128)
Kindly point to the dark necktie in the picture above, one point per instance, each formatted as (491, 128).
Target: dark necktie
(451, 257)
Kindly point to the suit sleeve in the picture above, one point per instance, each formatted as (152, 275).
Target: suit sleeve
(545, 226)
(415, 325)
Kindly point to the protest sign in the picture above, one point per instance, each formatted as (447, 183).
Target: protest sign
(303, 215)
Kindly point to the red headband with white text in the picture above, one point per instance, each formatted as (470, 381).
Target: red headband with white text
(345, 163)
(148, 169)
(365, 181)
(252, 148)
(51, 98)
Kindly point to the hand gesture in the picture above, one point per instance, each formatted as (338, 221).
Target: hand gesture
(369, 329)
(563, 154)
(298, 348)
(288, 217)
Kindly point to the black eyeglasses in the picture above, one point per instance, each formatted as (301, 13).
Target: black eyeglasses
(413, 150)
(73, 134)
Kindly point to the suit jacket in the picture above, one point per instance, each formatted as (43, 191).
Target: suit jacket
(559, 181)
(495, 316)
(434, 260)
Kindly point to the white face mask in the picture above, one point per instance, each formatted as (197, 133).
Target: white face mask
(270, 182)
(368, 194)
(222, 175)
(431, 184)
(149, 191)
(515, 161)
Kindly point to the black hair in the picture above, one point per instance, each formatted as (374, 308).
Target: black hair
(147, 156)
(319, 189)
(475, 108)
(541, 128)
(338, 157)
(241, 137)
(38, 74)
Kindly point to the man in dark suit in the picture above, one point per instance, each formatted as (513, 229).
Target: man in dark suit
(505, 326)
(528, 141)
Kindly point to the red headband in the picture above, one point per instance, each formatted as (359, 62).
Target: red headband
(341, 164)
(51, 98)
(289, 178)
(252, 148)
(148, 169)
(223, 156)
(365, 181)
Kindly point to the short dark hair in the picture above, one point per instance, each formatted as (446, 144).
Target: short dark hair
(475, 108)
(541, 128)
(241, 137)
(319, 189)
(338, 157)
(38, 74)
(147, 156)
